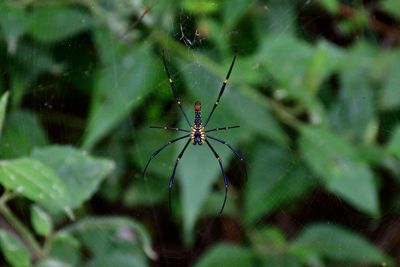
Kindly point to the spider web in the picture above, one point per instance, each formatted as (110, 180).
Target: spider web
(196, 42)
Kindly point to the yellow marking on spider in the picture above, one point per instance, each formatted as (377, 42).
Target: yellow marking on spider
(170, 80)
(225, 81)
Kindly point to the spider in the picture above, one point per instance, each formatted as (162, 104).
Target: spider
(197, 135)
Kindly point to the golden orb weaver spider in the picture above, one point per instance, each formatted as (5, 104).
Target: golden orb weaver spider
(197, 135)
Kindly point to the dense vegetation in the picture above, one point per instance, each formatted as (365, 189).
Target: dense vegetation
(315, 89)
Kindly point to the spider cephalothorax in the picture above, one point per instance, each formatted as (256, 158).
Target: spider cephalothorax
(197, 133)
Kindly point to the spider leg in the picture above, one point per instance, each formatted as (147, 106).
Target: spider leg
(223, 173)
(159, 150)
(222, 128)
(171, 179)
(237, 154)
(171, 83)
(221, 91)
(170, 128)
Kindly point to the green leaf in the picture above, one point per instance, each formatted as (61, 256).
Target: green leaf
(49, 262)
(51, 23)
(394, 144)
(13, 24)
(31, 179)
(200, 6)
(13, 250)
(120, 88)
(337, 243)
(268, 241)
(332, 6)
(81, 173)
(354, 111)
(224, 254)
(234, 10)
(390, 93)
(117, 259)
(41, 221)
(65, 249)
(391, 6)
(98, 233)
(3, 106)
(302, 70)
(339, 166)
(20, 138)
(276, 178)
(196, 181)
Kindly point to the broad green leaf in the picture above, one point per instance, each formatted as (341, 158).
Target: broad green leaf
(234, 10)
(81, 173)
(275, 178)
(120, 88)
(13, 24)
(394, 144)
(302, 70)
(41, 221)
(391, 6)
(196, 181)
(31, 179)
(100, 234)
(268, 241)
(13, 250)
(51, 23)
(3, 106)
(280, 14)
(354, 111)
(337, 243)
(65, 249)
(19, 138)
(200, 6)
(49, 262)
(149, 140)
(224, 254)
(147, 192)
(32, 59)
(390, 93)
(117, 259)
(339, 166)
(332, 6)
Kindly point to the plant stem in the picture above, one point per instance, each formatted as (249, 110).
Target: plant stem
(22, 230)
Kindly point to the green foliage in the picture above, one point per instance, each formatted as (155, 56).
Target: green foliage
(315, 90)
(284, 180)
(13, 250)
(41, 221)
(18, 138)
(120, 88)
(31, 179)
(340, 167)
(336, 243)
(72, 21)
(81, 173)
(3, 106)
(225, 254)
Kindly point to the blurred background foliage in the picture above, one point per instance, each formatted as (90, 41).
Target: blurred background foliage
(315, 90)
